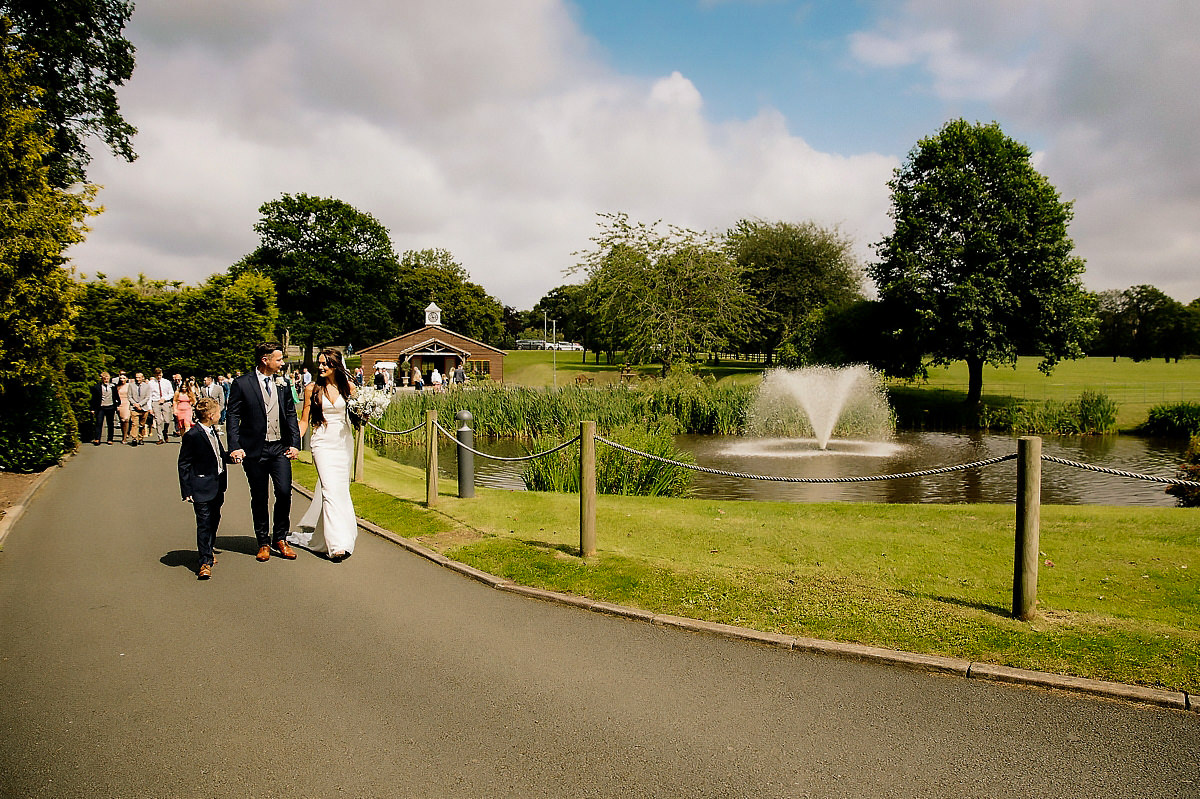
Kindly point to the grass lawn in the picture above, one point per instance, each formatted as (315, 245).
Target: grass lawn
(1119, 590)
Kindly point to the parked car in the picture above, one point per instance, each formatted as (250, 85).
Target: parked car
(569, 345)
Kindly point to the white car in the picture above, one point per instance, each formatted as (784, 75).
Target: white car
(570, 346)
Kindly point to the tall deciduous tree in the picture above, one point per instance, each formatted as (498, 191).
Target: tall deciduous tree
(434, 276)
(78, 59)
(37, 223)
(672, 294)
(792, 272)
(979, 265)
(334, 270)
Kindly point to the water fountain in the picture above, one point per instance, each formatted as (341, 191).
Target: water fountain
(821, 401)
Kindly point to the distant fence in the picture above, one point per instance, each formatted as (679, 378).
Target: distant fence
(1126, 393)
(1029, 459)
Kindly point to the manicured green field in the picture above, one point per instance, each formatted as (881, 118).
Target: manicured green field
(1119, 590)
(1135, 387)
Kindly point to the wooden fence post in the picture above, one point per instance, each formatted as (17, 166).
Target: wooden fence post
(587, 489)
(431, 458)
(1029, 514)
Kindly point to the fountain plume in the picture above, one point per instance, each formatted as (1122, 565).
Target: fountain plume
(821, 401)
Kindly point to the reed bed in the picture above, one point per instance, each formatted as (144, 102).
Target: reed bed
(697, 405)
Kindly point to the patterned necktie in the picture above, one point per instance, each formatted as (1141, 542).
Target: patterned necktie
(212, 439)
(267, 385)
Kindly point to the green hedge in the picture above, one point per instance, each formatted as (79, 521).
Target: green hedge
(37, 427)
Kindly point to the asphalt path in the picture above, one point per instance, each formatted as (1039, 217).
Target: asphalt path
(122, 675)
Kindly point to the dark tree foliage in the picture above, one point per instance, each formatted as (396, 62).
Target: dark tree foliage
(334, 270)
(792, 271)
(427, 276)
(79, 58)
(194, 330)
(979, 265)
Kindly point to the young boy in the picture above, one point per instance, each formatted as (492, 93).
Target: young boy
(203, 479)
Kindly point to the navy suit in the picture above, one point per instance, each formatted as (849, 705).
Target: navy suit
(246, 426)
(199, 479)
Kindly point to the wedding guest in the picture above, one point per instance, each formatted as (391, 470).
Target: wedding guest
(203, 479)
(104, 406)
(176, 383)
(183, 401)
(417, 381)
(123, 406)
(358, 377)
(435, 379)
(162, 394)
(305, 377)
(380, 380)
(225, 380)
(213, 390)
(141, 404)
(460, 375)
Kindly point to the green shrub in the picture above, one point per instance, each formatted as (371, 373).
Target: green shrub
(617, 471)
(1186, 496)
(37, 427)
(1093, 413)
(1173, 421)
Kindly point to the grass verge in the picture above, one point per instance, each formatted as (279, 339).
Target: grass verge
(1119, 591)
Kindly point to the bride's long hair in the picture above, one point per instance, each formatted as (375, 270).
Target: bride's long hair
(333, 359)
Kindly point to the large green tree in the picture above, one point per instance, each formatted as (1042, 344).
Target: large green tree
(792, 272)
(78, 57)
(673, 295)
(334, 270)
(979, 267)
(38, 221)
(434, 276)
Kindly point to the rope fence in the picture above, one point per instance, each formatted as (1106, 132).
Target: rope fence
(1029, 459)
(777, 479)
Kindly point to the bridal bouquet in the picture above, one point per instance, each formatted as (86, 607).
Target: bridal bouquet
(367, 405)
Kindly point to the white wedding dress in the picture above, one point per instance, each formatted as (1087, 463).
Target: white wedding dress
(330, 525)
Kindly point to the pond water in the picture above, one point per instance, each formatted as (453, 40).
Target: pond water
(906, 452)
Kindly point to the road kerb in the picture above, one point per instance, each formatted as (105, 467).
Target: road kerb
(725, 630)
(910, 660)
(549, 596)
(1111, 690)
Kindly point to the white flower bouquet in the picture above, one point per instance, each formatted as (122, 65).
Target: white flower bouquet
(367, 405)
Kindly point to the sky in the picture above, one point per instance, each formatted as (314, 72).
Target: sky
(500, 130)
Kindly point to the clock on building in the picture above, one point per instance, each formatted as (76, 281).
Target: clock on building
(433, 315)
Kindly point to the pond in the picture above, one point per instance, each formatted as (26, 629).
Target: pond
(906, 452)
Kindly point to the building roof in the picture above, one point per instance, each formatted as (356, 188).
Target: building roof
(432, 333)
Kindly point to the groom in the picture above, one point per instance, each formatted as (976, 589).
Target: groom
(263, 437)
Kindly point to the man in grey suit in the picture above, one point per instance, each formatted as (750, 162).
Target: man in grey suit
(141, 403)
(213, 389)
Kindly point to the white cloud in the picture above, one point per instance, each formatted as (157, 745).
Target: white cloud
(1108, 87)
(488, 129)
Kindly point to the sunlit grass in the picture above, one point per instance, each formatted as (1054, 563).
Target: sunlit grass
(1119, 595)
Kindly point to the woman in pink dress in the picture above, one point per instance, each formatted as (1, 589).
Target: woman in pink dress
(185, 400)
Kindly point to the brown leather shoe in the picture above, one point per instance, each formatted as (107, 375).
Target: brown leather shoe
(285, 549)
(264, 553)
(205, 571)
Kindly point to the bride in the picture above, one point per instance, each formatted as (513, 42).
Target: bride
(329, 525)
